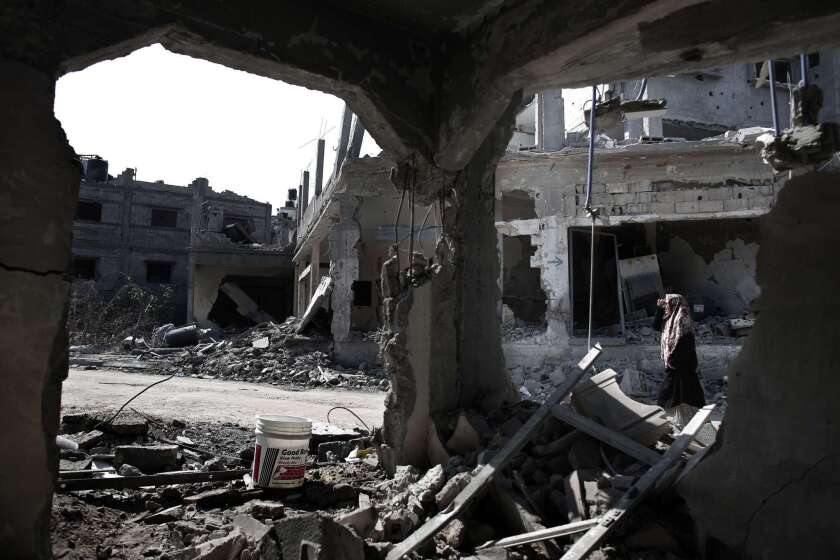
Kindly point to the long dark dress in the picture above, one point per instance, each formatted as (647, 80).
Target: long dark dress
(681, 384)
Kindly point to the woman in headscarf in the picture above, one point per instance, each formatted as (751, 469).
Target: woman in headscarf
(681, 384)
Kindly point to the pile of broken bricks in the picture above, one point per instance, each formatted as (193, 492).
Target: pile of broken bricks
(525, 481)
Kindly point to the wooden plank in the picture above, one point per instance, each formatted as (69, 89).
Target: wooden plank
(637, 492)
(600, 432)
(542, 534)
(488, 471)
(119, 483)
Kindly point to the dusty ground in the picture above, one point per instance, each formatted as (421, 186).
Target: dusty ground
(208, 400)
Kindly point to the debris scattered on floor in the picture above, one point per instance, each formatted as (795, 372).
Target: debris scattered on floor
(574, 470)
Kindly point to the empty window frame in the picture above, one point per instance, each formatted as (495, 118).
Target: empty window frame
(89, 211)
(158, 272)
(83, 268)
(164, 217)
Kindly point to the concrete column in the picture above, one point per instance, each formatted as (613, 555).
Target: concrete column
(553, 242)
(550, 120)
(304, 195)
(344, 266)
(199, 188)
(652, 127)
(319, 167)
(315, 270)
(356, 137)
(39, 188)
(343, 139)
(442, 346)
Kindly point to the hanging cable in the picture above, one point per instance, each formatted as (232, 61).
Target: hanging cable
(588, 207)
(411, 232)
(772, 75)
(423, 225)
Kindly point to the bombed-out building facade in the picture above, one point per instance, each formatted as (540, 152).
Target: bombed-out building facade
(439, 87)
(209, 247)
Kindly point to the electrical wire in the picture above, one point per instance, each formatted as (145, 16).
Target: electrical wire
(423, 225)
(111, 419)
(351, 412)
(772, 76)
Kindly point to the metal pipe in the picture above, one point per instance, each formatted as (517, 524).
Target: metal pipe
(591, 148)
(803, 70)
(772, 74)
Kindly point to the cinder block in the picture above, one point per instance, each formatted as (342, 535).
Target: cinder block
(615, 188)
(711, 206)
(638, 209)
(735, 204)
(625, 198)
(761, 202)
(666, 197)
(644, 197)
(688, 207)
(690, 195)
(745, 192)
(641, 186)
(718, 193)
(663, 208)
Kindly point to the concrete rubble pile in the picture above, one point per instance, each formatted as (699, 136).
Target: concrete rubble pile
(266, 353)
(349, 507)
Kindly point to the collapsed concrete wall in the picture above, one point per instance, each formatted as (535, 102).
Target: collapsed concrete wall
(714, 259)
(774, 468)
(641, 183)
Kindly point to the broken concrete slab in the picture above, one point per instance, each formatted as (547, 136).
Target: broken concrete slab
(265, 509)
(253, 529)
(452, 488)
(601, 398)
(337, 542)
(167, 515)
(801, 146)
(148, 458)
(245, 306)
(213, 498)
(320, 296)
(427, 487)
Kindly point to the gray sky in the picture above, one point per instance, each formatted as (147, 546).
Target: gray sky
(176, 118)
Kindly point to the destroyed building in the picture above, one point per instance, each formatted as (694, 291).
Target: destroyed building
(146, 231)
(439, 87)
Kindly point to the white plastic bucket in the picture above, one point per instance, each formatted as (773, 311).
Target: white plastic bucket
(281, 450)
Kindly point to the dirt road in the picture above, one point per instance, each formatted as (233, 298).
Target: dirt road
(209, 400)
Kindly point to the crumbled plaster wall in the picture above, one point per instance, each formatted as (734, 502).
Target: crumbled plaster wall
(728, 278)
(773, 470)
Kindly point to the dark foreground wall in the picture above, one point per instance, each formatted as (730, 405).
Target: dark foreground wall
(39, 186)
(771, 488)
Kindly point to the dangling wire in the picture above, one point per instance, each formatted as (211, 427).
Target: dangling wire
(411, 233)
(772, 75)
(589, 210)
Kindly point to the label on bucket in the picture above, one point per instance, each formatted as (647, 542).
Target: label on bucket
(279, 468)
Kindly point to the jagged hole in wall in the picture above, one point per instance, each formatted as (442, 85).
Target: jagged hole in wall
(711, 262)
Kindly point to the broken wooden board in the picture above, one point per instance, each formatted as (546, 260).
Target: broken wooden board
(488, 471)
(322, 292)
(542, 534)
(612, 438)
(637, 492)
(122, 482)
